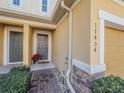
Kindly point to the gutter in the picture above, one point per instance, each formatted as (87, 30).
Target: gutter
(69, 67)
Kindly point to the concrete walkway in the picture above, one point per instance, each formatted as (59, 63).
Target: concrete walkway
(44, 81)
(43, 66)
(7, 68)
(34, 67)
(45, 78)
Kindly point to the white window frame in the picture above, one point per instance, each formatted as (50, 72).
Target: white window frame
(36, 32)
(47, 12)
(46, 6)
(107, 17)
(6, 43)
(104, 18)
(119, 2)
(15, 6)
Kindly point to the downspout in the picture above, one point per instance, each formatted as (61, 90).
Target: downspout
(69, 67)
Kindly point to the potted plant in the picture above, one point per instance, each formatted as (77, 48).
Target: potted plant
(36, 58)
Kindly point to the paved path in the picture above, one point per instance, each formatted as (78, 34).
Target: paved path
(5, 69)
(44, 81)
(42, 66)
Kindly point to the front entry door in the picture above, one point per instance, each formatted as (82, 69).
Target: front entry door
(15, 47)
(42, 46)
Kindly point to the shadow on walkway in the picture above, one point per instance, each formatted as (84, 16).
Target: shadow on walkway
(44, 81)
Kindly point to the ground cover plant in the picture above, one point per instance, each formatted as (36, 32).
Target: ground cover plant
(16, 81)
(110, 84)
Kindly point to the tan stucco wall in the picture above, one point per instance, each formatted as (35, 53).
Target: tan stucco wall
(32, 38)
(27, 44)
(106, 5)
(59, 45)
(28, 6)
(81, 31)
(114, 52)
(81, 36)
(1, 43)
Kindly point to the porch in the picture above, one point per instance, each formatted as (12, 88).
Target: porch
(19, 43)
(34, 67)
(46, 78)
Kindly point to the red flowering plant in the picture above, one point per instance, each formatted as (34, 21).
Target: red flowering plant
(36, 57)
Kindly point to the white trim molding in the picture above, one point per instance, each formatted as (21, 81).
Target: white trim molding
(35, 24)
(102, 28)
(89, 68)
(72, 7)
(6, 43)
(105, 18)
(16, 6)
(111, 18)
(49, 42)
(51, 5)
(120, 2)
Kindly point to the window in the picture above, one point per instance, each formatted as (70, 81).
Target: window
(44, 5)
(16, 2)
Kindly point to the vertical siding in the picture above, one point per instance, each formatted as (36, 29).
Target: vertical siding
(114, 52)
(106, 5)
(1, 43)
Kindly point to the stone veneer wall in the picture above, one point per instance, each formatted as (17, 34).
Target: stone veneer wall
(82, 81)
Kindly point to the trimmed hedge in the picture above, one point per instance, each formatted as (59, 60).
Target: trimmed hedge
(108, 84)
(16, 81)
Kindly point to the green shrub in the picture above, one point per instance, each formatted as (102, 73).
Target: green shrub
(16, 81)
(21, 68)
(108, 84)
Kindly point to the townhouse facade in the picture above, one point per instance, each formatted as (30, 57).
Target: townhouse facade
(28, 27)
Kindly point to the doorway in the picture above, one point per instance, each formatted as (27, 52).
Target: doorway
(13, 45)
(42, 45)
